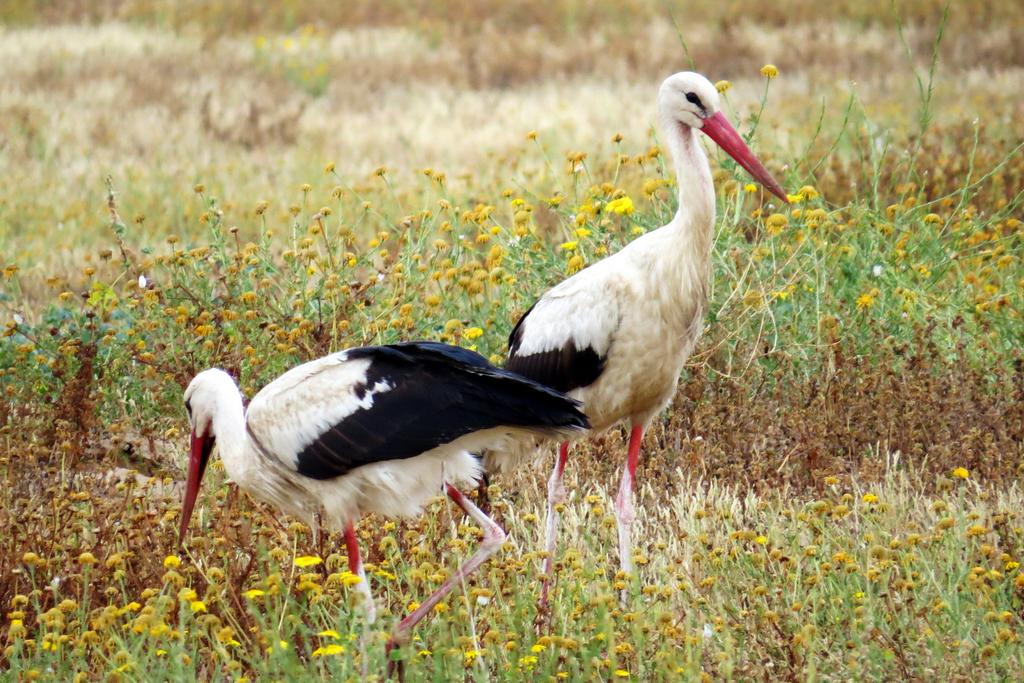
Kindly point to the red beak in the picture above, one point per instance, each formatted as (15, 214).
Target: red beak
(719, 129)
(201, 448)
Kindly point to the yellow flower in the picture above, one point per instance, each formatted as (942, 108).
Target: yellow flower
(961, 473)
(622, 673)
(750, 187)
(769, 71)
(866, 300)
(622, 205)
(17, 629)
(327, 650)
(424, 653)
(722, 86)
(808, 192)
(762, 540)
(582, 232)
(281, 645)
(307, 561)
(472, 332)
(197, 606)
(86, 558)
(172, 562)
(253, 593)
(869, 498)
(330, 633)
(568, 246)
(775, 223)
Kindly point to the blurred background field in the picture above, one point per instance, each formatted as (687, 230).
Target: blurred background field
(196, 184)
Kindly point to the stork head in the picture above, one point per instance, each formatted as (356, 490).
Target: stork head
(202, 398)
(689, 99)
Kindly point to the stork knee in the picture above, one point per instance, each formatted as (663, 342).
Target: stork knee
(624, 510)
(556, 490)
(494, 537)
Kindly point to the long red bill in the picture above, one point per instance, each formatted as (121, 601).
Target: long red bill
(719, 129)
(200, 455)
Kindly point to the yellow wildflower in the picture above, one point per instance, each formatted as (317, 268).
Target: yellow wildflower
(722, 86)
(253, 593)
(328, 650)
(869, 498)
(961, 473)
(568, 246)
(472, 332)
(172, 562)
(769, 71)
(330, 633)
(197, 606)
(750, 187)
(622, 205)
(307, 561)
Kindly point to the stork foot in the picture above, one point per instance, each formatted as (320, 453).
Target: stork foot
(396, 667)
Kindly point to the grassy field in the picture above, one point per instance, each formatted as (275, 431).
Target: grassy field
(834, 493)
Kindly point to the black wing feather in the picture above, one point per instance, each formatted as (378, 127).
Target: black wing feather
(438, 394)
(563, 369)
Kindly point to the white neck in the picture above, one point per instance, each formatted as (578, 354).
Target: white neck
(684, 260)
(229, 430)
(696, 212)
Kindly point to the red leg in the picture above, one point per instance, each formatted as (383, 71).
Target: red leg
(624, 511)
(494, 536)
(556, 496)
(355, 565)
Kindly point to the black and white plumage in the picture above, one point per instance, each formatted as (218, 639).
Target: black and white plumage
(617, 334)
(375, 429)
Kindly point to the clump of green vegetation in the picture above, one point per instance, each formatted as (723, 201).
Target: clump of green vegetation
(833, 493)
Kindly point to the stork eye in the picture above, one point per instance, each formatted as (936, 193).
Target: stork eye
(693, 99)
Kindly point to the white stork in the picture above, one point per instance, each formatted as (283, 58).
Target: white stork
(374, 429)
(616, 334)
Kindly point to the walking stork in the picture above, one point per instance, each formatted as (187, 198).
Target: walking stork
(616, 334)
(376, 429)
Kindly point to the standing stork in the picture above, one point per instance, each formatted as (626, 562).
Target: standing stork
(617, 334)
(374, 429)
